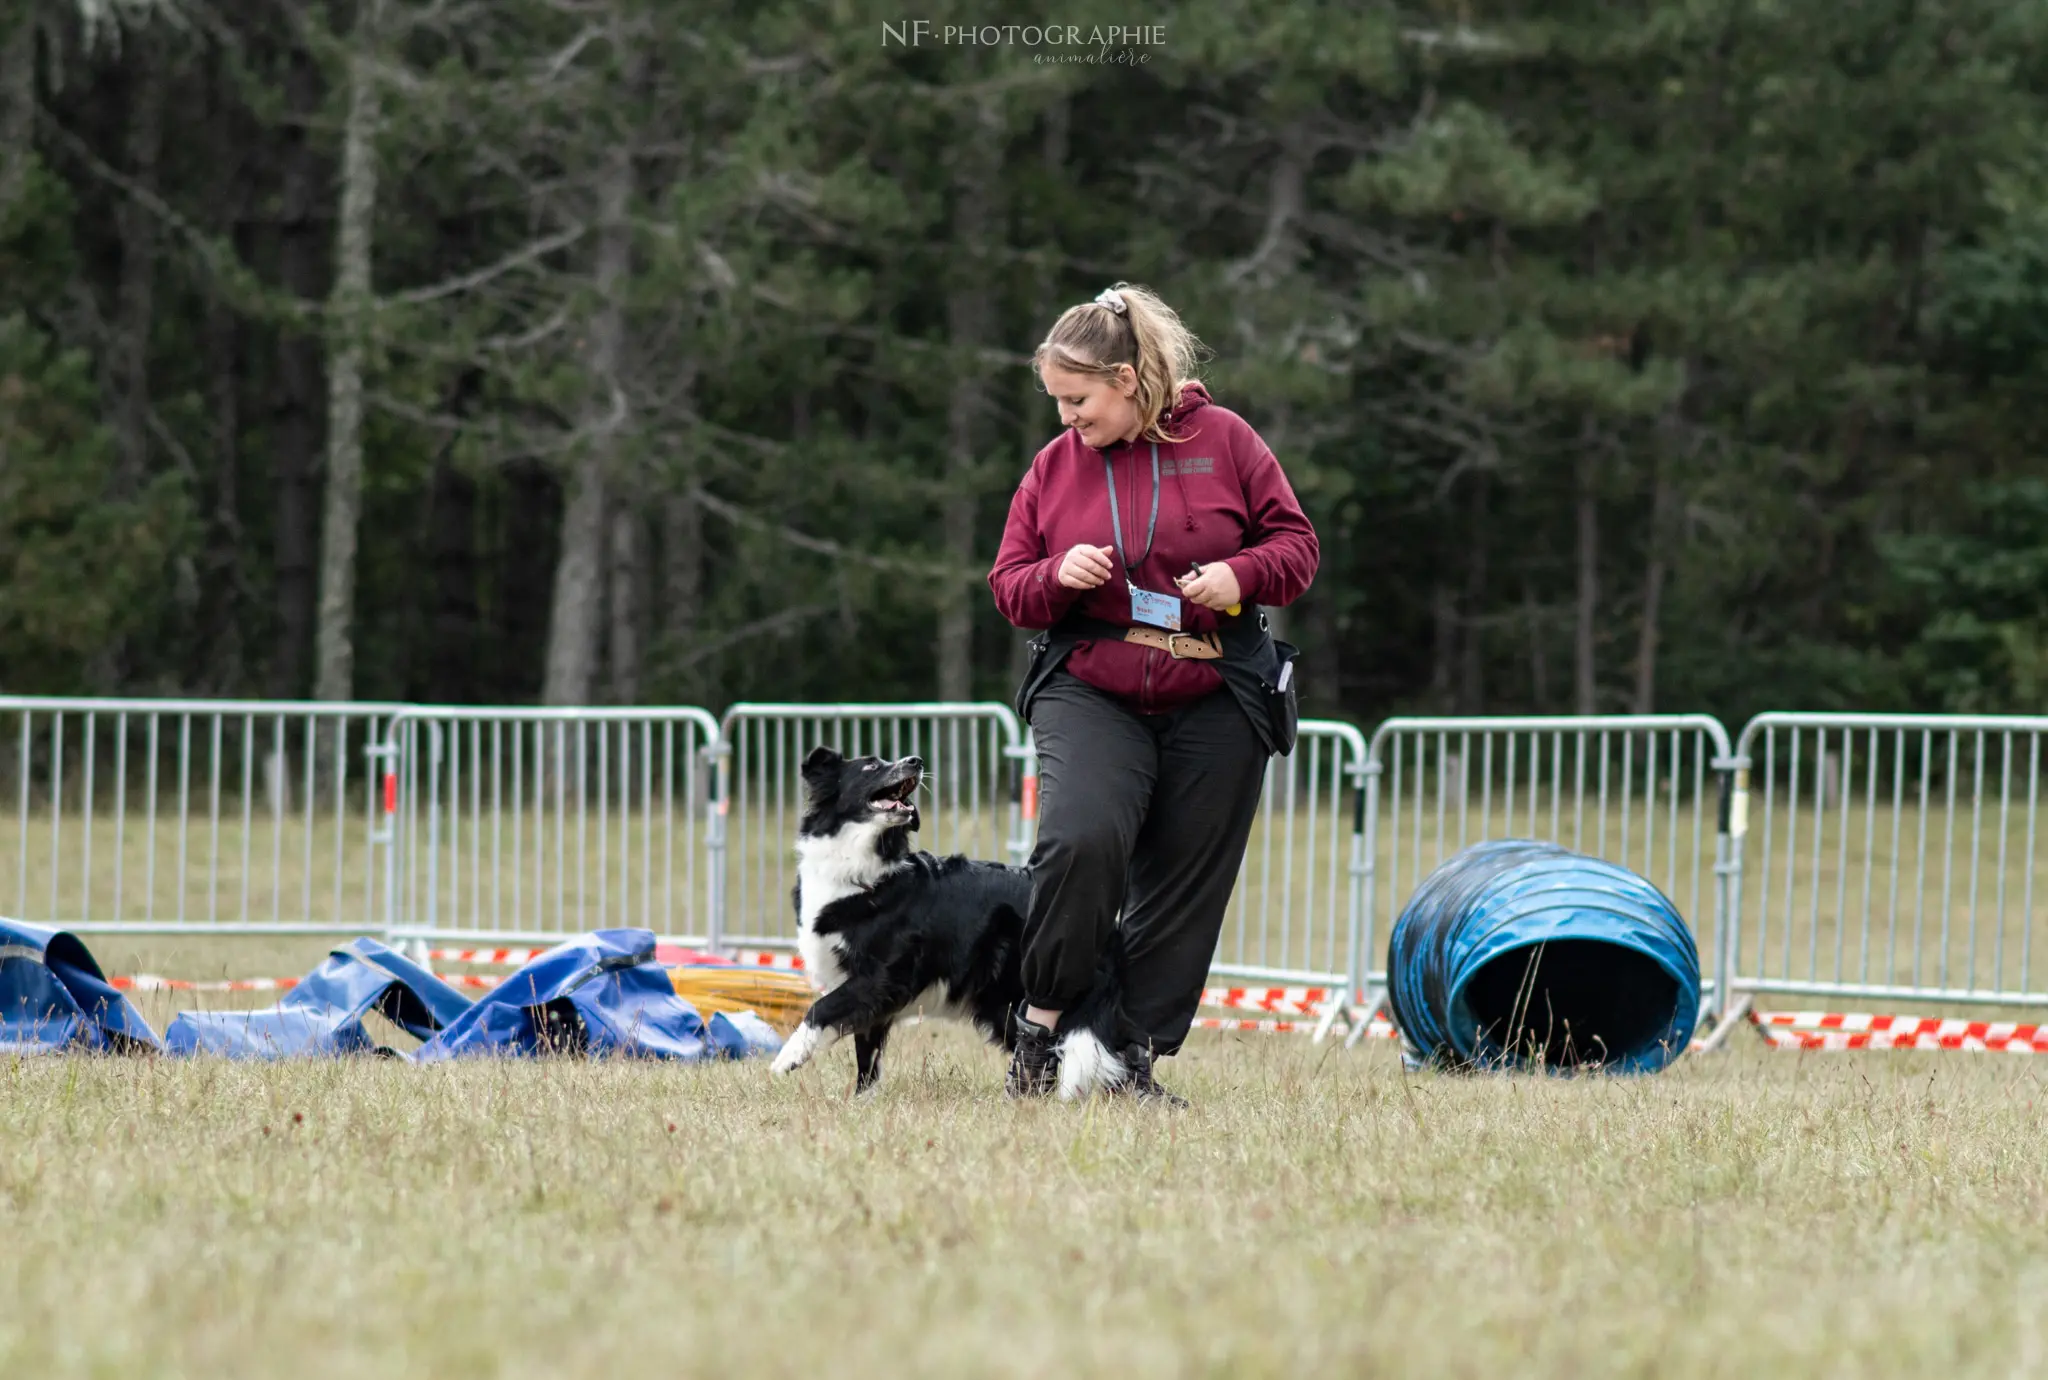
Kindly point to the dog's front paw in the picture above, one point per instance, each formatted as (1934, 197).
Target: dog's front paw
(797, 1051)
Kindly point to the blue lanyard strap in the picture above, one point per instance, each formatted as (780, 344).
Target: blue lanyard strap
(1116, 521)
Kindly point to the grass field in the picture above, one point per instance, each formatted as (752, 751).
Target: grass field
(1316, 1212)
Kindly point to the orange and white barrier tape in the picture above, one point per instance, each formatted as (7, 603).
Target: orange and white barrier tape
(1299, 1001)
(1832, 1030)
(150, 982)
(513, 957)
(1378, 1029)
(769, 958)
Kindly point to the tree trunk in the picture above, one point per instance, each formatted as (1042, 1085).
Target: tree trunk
(453, 669)
(1539, 660)
(1472, 651)
(223, 616)
(225, 591)
(1443, 612)
(1588, 506)
(1653, 591)
(349, 307)
(1039, 418)
(301, 268)
(622, 584)
(135, 309)
(682, 580)
(578, 603)
(525, 541)
(17, 99)
(969, 324)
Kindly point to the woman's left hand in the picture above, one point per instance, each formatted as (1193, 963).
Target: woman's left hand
(1215, 588)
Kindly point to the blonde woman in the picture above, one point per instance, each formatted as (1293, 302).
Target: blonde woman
(1143, 541)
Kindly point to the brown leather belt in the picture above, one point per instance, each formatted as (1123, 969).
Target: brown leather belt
(1180, 646)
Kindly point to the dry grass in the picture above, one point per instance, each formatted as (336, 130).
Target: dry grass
(1317, 1211)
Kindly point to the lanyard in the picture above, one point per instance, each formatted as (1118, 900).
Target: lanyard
(1116, 519)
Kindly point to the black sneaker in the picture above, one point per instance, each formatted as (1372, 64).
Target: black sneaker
(1034, 1062)
(1139, 1082)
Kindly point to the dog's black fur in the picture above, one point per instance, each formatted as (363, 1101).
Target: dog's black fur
(885, 926)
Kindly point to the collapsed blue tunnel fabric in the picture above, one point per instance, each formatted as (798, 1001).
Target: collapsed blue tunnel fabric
(53, 996)
(602, 994)
(1515, 953)
(324, 1013)
(741, 1034)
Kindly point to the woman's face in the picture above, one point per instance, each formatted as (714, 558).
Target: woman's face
(1102, 410)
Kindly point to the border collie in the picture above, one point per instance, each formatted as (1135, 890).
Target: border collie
(883, 929)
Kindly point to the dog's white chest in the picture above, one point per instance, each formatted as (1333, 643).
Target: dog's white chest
(830, 869)
(821, 955)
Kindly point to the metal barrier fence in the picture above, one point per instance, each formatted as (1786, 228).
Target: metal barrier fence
(1649, 792)
(1296, 912)
(183, 816)
(1879, 856)
(973, 756)
(1894, 855)
(534, 825)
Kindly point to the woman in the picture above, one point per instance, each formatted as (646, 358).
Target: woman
(1143, 540)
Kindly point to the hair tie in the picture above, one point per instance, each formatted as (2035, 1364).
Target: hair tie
(1114, 300)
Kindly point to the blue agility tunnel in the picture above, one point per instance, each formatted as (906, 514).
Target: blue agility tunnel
(1518, 954)
(602, 994)
(53, 996)
(324, 1013)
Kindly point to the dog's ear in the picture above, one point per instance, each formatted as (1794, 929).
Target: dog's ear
(821, 767)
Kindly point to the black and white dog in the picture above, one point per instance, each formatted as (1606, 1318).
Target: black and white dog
(883, 929)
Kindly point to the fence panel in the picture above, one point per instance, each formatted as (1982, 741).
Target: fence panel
(536, 825)
(973, 802)
(1648, 792)
(1890, 856)
(192, 816)
(1294, 914)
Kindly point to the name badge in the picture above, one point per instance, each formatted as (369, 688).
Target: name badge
(1159, 610)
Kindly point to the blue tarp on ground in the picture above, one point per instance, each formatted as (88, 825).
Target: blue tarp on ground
(324, 1013)
(603, 994)
(53, 996)
(1516, 953)
(741, 1034)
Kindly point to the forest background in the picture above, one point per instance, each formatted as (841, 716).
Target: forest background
(1666, 355)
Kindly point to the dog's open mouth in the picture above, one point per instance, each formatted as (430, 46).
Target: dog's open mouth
(896, 799)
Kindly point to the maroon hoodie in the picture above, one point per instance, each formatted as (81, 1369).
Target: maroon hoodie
(1223, 498)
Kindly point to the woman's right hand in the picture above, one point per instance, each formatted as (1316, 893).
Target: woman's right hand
(1085, 567)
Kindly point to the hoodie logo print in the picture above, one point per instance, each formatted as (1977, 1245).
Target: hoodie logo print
(1191, 464)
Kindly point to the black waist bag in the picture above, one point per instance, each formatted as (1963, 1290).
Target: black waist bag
(1254, 666)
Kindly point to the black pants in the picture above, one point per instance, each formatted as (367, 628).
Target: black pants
(1143, 813)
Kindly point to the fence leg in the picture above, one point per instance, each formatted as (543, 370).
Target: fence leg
(1735, 1015)
(714, 845)
(1366, 1011)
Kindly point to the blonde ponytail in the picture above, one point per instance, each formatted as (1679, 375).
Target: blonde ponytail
(1128, 325)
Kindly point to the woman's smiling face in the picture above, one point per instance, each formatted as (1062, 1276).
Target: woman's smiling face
(1101, 410)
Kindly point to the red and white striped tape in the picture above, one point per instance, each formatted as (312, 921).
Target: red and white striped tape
(150, 982)
(1378, 1030)
(1299, 1001)
(514, 957)
(1833, 1030)
(769, 958)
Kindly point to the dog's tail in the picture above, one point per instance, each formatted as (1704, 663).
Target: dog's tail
(1087, 1065)
(1091, 1058)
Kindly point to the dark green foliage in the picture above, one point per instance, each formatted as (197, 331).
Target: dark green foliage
(1753, 293)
